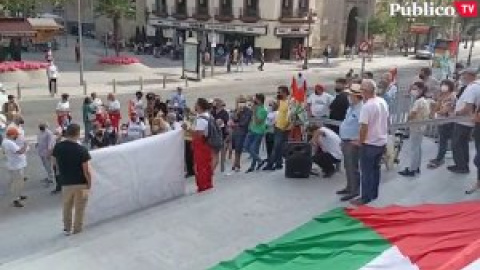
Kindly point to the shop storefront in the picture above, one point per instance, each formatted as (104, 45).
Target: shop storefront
(292, 38)
(241, 35)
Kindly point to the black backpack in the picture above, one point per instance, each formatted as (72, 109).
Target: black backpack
(214, 138)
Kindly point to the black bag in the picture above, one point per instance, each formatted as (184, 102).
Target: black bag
(215, 137)
(298, 160)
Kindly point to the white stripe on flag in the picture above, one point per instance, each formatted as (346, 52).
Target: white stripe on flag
(391, 259)
(473, 266)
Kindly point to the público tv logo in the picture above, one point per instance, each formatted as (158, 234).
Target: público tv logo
(465, 9)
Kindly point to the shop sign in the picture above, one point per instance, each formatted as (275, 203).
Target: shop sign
(229, 28)
(291, 31)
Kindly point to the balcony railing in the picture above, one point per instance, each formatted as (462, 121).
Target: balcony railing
(297, 15)
(249, 15)
(201, 13)
(180, 13)
(224, 14)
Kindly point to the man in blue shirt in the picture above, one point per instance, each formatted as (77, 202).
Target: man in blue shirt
(179, 102)
(349, 133)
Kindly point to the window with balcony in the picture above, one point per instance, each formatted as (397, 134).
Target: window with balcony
(202, 12)
(287, 8)
(161, 8)
(303, 8)
(224, 12)
(251, 11)
(181, 9)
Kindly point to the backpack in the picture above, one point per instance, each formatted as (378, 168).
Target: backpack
(214, 138)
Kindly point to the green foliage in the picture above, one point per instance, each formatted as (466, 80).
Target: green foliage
(19, 7)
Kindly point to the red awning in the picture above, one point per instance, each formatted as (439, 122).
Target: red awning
(15, 27)
(419, 29)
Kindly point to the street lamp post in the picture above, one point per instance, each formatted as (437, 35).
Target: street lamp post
(310, 18)
(469, 60)
(80, 39)
(367, 19)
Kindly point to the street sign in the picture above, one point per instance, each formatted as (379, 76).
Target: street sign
(364, 46)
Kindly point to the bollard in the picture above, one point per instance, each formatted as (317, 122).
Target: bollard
(19, 91)
(84, 88)
(223, 157)
(186, 82)
(141, 83)
(164, 81)
(114, 84)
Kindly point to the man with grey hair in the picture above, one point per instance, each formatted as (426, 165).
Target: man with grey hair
(387, 88)
(372, 139)
(467, 103)
(45, 143)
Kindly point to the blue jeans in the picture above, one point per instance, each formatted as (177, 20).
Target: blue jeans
(252, 146)
(370, 157)
(280, 138)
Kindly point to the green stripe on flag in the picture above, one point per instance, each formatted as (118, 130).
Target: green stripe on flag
(330, 241)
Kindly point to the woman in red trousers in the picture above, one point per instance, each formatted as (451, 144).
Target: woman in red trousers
(202, 153)
(113, 110)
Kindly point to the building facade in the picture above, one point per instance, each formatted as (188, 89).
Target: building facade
(275, 26)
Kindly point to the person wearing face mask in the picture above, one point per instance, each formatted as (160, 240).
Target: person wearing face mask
(444, 107)
(420, 111)
(16, 164)
(241, 119)
(340, 104)
(349, 132)
(282, 125)
(318, 103)
(256, 131)
(432, 84)
(270, 122)
(462, 131)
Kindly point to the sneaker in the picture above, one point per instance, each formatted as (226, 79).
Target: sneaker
(17, 204)
(23, 198)
(407, 173)
(250, 170)
(260, 164)
(67, 232)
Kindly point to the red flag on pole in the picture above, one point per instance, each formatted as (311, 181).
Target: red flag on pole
(298, 93)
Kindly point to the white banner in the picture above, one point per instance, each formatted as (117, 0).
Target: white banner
(136, 175)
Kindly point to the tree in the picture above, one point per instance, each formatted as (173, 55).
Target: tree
(19, 8)
(116, 10)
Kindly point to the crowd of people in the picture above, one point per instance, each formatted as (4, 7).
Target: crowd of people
(362, 106)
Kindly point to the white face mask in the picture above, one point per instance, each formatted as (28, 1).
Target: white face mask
(444, 89)
(414, 93)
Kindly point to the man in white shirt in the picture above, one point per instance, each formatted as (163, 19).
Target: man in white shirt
(136, 128)
(52, 75)
(16, 163)
(328, 152)
(462, 131)
(318, 103)
(373, 139)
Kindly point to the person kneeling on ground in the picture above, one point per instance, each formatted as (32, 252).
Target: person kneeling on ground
(327, 149)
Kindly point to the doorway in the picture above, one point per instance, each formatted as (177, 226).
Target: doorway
(288, 44)
(352, 28)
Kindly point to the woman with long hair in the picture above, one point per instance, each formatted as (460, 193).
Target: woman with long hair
(420, 111)
(444, 107)
(202, 152)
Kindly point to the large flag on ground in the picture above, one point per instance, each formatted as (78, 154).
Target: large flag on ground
(428, 237)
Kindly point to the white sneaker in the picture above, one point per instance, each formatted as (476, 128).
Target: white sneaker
(67, 232)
